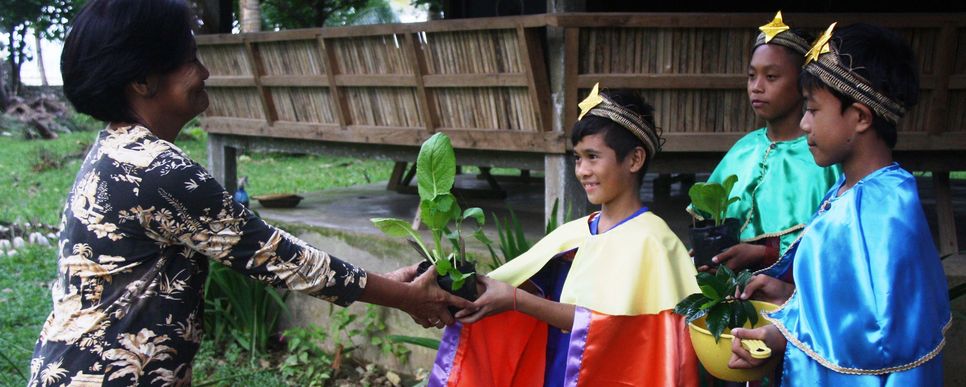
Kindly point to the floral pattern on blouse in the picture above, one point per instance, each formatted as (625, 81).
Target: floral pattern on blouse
(139, 226)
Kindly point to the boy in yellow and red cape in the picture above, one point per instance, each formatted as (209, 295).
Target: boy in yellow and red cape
(591, 303)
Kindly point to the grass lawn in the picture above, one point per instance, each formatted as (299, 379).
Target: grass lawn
(35, 177)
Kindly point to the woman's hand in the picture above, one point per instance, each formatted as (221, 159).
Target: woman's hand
(740, 256)
(403, 274)
(768, 289)
(497, 297)
(426, 302)
(741, 358)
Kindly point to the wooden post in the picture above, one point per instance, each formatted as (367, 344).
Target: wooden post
(427, 108)
(338, 100)
(938, 115)
(258, 70)
(222, 162)
(536, 77)
(945, 219)
(561, 184)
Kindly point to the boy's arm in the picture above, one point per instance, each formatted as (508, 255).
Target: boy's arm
(500, 297)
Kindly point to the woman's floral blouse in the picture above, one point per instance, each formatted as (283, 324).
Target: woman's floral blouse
(138, 229)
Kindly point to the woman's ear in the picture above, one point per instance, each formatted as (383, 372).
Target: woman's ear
(145, 87)
(636, 158)
(863, 118)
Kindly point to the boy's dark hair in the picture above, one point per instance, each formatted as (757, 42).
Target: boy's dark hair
(617, 137)
(114, 42)
(798, 58)
(884, 59)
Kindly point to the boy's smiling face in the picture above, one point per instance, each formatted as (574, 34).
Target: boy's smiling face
(830, 130)
(603, 177)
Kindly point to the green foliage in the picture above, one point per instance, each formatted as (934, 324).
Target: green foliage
(289, 14)
(512, 240)
(712, 199)
(717, 303)
(435, 176)
(241, 308)
(24, 305)
(424, 342)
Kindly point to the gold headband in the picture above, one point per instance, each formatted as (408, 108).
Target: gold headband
(778, 33)
(837, 76)
(600, 106)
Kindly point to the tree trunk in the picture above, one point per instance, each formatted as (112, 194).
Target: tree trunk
(40, 58)
(251, 15)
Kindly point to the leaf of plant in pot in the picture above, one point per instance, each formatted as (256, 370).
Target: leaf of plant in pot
(714, 311)
(715, 233)
(438, 208)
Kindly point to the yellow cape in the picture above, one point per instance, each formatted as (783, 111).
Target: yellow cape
(638, 267)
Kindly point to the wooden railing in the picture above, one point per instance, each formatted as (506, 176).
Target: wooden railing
(483, 82)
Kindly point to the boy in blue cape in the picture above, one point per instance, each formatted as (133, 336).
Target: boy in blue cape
(869, 302)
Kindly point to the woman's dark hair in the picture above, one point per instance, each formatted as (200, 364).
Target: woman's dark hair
(114, 42)
(618, 138)
(883, 58)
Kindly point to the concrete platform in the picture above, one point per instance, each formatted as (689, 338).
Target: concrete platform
(337, 221)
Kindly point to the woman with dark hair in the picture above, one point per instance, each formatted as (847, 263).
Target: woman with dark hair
(142, 219)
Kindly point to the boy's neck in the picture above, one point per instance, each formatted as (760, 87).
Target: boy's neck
(866, 158)
(784, 128)
(617, 210)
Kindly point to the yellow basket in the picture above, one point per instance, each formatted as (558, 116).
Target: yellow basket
(714, 356)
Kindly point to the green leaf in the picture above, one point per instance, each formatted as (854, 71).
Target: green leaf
(459, 278)
(710, 292)
(439, 211)
(728, 184)
(750, 311)
(424, 342)
(435, 167)
(690, 307)
(717, 320)
(443, 266)
(476, 213)
(401, 228)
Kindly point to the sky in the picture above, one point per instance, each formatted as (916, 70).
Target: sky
(30, 72)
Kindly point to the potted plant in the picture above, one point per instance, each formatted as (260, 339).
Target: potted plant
(714, 233)
(435, 175)
(715, 310)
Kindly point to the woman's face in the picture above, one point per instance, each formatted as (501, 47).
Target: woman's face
(182, 91)
(773, 83)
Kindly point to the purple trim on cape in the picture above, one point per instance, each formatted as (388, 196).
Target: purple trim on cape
(444, 358)
(578, 342)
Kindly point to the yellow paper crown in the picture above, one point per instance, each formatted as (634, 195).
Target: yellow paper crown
(774, 28)
(821, 45)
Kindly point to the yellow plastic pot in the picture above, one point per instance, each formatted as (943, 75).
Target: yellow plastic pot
(714, 356)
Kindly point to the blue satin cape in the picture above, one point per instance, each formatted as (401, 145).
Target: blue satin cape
(871, 304)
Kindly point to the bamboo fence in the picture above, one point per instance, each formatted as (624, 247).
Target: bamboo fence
(487, 78)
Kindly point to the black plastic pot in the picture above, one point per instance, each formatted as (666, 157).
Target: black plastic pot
(708, 240)
(467, 291)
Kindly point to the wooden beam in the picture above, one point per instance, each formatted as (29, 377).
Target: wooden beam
(258, 70)
(475, 80)
(944, 213)
(295, 80)
(537, 83)
(938, 110)
(664, 81)
(427, 105)
(230, 81)
(743, 20)
(339, 104)
(571, 63)
(374, 80)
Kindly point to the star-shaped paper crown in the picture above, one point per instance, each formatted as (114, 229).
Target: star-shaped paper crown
(820, 46)
(590, 102)
(842, 77)
(600, 106)
(774, 28)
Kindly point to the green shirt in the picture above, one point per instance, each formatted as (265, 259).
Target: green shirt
(779, 186)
